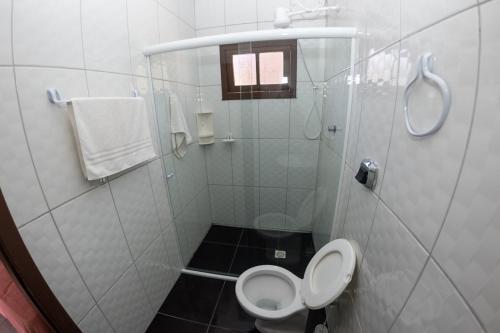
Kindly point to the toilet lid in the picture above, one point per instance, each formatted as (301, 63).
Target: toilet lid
(328, 273)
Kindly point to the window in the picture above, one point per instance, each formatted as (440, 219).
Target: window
(259, 70)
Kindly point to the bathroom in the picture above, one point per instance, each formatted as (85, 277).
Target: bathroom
(344, 144)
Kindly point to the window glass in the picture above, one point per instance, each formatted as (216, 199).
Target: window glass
(244, 69)
(271, 68)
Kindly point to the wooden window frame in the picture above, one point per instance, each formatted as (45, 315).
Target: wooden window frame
(17, 259)
(258, 91)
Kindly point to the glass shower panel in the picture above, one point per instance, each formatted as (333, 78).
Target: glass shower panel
(267, 185)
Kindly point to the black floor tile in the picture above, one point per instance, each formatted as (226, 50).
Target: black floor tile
(314, 317)
(223, 234)
(229, 313)
(247, 257)
(228, 330)
(295, 262)
(260, 238)
(214, 329)
(166, 324)
(296, 241)
(193, 298)
(213, 257)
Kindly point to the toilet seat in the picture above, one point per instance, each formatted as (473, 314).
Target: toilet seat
(270, 292)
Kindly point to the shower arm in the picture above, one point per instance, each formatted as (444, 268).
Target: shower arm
(313, 10)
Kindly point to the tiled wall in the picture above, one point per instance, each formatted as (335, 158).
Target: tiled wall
(108, 251)
(428, 234)
(267, 177)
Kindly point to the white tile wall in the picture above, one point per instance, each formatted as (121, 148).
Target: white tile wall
(133, 197)
(49, 253)
(216, 10)
(390, 269)
(246, 206)
(435, 306)
(161, 196)
(245, 162)
(378, 108)
(244, 119)
(299, 209)
(466, 248)
(360, 215)
(126, 304)
(156, 272)
(274, 118)
(255, 163)
(272, 208)
(91, 230)
(219, 167)
(273, 162)
(430, 12)
(222, 203)
(5, 32)
(240, 11)
(302, 163)
(94, 322)
(421, 199)
(47, 34)
(105, 35)
(425, 184)
(143, 30)
(18, 178)
(41, 170)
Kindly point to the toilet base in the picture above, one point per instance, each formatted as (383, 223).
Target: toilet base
(296, 323)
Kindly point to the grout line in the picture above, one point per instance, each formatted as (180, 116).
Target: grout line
(128, 246)
(450, 203)
(179, 318)
(96, 301)
(216, 305)
(35, 170)
(236, 251)
(128, 42)
(460, 294)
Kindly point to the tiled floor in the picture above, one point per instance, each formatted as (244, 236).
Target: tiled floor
(204, 305)
(231, 250)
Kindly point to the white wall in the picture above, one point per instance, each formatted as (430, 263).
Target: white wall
(428, 233)
(108, 251)
(267, 177)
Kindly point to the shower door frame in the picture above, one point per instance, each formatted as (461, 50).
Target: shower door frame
(250, 36)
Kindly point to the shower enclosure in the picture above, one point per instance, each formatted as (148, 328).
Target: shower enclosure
(265, 191)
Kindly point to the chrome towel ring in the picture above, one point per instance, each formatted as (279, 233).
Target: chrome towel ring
(424, 71)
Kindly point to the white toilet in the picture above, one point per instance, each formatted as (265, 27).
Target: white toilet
(279, 299)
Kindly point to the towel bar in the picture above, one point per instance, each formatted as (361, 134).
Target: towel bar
(424, 70)
(55, 97)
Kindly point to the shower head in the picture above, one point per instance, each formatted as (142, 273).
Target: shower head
(282, 17)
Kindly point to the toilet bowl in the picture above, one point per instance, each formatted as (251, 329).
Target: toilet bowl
(275, 295)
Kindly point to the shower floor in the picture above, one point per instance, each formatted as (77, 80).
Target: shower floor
(232, 250)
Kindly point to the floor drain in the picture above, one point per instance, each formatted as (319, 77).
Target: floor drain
(280, 254)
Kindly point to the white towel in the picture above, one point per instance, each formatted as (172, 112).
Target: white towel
(179, 129)
(112, 134)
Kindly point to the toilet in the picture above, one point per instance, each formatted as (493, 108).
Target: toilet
(279, 300)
